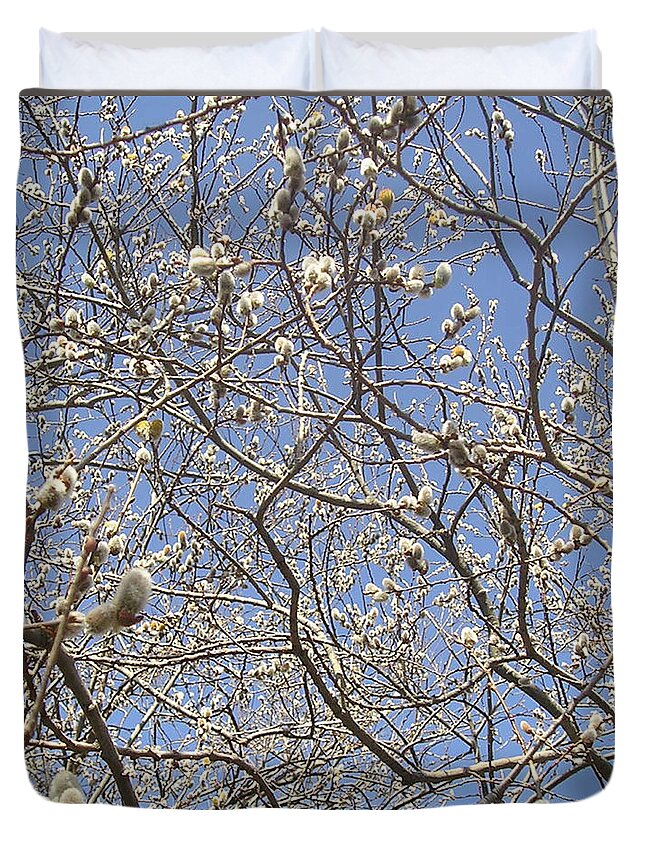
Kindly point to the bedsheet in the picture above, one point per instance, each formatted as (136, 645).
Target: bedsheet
(319, 411)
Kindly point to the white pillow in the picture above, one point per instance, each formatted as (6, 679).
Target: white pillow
(285, 62)
(564, 62)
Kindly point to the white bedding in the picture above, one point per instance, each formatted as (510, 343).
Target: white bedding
(69, 62)
(562, 62)
(420, 61)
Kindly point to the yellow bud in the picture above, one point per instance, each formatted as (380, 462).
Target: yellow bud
(386, 197)
(459, 350)
(156, 428)
(142, 429)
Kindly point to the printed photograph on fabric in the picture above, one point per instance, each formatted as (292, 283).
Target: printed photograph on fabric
(319, 505)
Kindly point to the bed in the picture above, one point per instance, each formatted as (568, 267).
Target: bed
(319, 395)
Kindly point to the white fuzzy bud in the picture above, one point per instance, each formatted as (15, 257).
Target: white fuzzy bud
(468, 637)
(143, 456)
(282, 201)
(257, 298)
(72, 795)
(480, 454)
(101, 553)
(588, 736)
(343, 139)
(416, 551)
(595, 721)
(327, 265)
(418, 272)
(102, 619)
(449, 429)
(458, 454)
(294, 167)
(133, 591)
(65, 781)
(425, 495)
(457, 312)
(375, 125)
(442, 274)
(369, 169)
(245, 305)
(284, 347)
(86, 178)
(576, 532)
(203, 265)
(425, 441)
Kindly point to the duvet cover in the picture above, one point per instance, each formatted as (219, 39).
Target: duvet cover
(319, 411)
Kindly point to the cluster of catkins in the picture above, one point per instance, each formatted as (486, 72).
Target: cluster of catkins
(379, 593)
(503, 127)
(440, 219)
(65, 788)
(557, 550)
(592, 731)
(310, 126)
(113, 545)
(71, 323)
(419, 504)
(89, 190)
(58, 488)
(417, 282)
(366, 219)
(459, 356)
(581, 646)
(140, 368)
(283, 206)
(338, 162)
(507, 526)
(459, 455)
(268, 670)
(459, 316)
(568, 402)
(507, 423)
(540, 567)
(205, 264)
(413, 552)
(219, 385)
(284, 349)
(577, 538)
(285, 127)
(225, 286)
(318, 273)
(255, 412)
(468, 637)
(248, 304)
(141, 327)
(124, 609)
(371, 217)
(403, 113)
